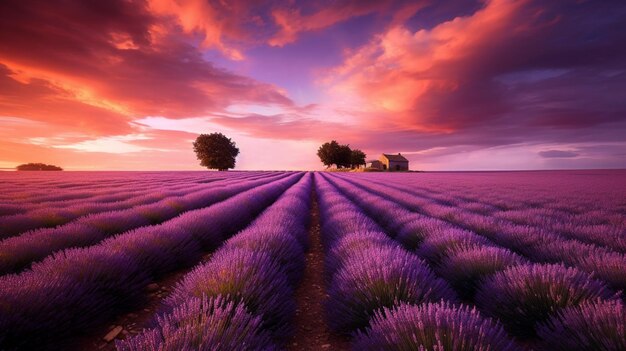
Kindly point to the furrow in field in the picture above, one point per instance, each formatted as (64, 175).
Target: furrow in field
(35, 194)
(243, 296)
(611, 237)
(311, 330)
(19, 252)
(371, 277)
(480, 271)
(95, 284)
(538, 246)
(52, 214)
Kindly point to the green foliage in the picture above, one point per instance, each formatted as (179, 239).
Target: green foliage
(215, 151)
(328, 153)
(38, 167)
(332, 153)
(357, 158)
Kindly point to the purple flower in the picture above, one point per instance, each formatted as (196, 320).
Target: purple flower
(433, 326)
(413, 233)
(524, 295)
(379, 277)
(592, 325)
(282, 248)
(464, 268)
(445, 241)
(216, 324)
(354, 243)
(246, 276)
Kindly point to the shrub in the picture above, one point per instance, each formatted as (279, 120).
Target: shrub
(354, 243)
(463, 269)
(50, 301)
(446, 241)
(250, 277)
(19, 252)
(116, 221)
(287, 223)
(594, 325)
(522, 296)
(216, 324)
(283, 248)
(98, 268)
(413, 233)
(377, 278)
(433, 326)
(24, 311)
(159, 249)
(339, 224)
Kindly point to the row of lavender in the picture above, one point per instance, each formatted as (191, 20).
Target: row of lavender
(77, 289)
(50, 214)
(24, 191)
(538, 244)
(549, 306)
(575, 192)
(63, 207)
(243, 297)
(565, 203)
(19, 252)
(375, 283)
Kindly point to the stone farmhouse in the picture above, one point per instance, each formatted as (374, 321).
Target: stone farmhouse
(389, 162)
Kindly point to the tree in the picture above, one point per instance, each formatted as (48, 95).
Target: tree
(332, 153)
(344, 156)
(215, 151)
(328, 153)
(357, 158)
(38, 167)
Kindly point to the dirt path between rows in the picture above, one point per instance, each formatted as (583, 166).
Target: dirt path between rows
(134, 321)
(312, 332)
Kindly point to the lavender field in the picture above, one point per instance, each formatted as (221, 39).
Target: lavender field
(222, 260)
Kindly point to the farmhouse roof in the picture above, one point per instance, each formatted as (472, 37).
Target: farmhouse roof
(396, 158)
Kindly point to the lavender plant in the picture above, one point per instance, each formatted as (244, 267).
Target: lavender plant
(464, 269)
(376, 278)
(590, 326)
(246, 276)
(204, 324)
(433, 326)
(524, 295)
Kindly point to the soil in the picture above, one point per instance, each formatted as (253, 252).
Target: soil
(312, 332)
(133, 322)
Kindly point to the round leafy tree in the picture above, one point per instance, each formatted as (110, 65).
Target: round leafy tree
(332, 153)
(215, 151)
(357, 158)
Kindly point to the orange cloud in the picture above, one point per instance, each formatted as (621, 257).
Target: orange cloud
(227, 26)
(77, 80)
(292, 22)
(212, 20)
(123, 64)
(404, 75)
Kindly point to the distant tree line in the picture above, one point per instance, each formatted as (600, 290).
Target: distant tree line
(342, 156)
(38, 167)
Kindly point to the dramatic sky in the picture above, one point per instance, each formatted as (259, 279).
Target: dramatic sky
(453, 85)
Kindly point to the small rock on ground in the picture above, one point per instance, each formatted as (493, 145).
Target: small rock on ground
(113, 333)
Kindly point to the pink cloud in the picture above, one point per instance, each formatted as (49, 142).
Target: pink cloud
(433, 81)
(292, 22)
(426, 79)
(122, 58)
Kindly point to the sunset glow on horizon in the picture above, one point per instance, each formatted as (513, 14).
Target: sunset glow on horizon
(452, 85)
